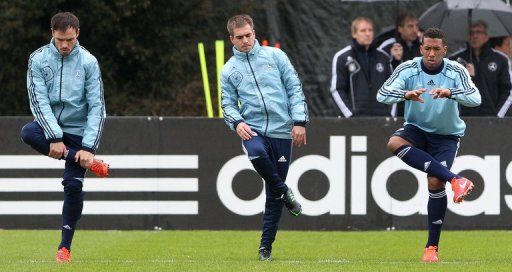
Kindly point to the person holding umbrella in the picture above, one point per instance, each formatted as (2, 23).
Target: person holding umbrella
(490, 70)
(432, 88)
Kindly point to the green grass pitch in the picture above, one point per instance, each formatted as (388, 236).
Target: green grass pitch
(34, 250)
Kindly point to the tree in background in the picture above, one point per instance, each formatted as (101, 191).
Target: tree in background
(147, 50)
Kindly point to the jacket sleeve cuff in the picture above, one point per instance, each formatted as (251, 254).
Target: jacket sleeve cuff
(55, 140)
(235, 124)
(300, 124)
(88, 149)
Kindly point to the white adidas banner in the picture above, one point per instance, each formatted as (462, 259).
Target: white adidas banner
(115, 161)
(111, 207)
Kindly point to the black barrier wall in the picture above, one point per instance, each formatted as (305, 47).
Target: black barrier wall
(191, 173)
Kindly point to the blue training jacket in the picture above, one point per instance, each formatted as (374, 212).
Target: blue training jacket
(66, 94)
(439, 116)
(269, 91)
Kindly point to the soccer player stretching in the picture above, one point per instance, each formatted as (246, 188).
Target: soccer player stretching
(272, 114)
(432, 87)
(66, 98)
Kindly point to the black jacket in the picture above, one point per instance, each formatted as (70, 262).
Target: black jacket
(410, 52)
(357, 75)
(492, 78)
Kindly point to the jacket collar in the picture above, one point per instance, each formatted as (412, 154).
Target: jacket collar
(254, 51)
(486, 50)
(361, 48)
(54, 49)
(403, 42)
(432, 72)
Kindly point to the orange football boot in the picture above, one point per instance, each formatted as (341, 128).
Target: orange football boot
(461, 188)
(63, 255)
(430, 255)
(99, 168)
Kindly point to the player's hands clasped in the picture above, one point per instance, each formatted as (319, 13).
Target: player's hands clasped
(415, 95)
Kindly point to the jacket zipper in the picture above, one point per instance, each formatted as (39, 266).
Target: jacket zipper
(258, 86)
(60, 89)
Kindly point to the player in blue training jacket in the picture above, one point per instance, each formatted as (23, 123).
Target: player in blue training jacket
(66, 98)
(432, 87)
(272, 114)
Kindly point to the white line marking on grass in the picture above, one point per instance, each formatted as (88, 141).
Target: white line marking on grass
(97, 261)
(312, 261)
(334, 261)
(419, 261)
(326, 261)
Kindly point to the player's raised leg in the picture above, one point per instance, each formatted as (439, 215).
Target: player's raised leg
(33, 135)
(400, 145)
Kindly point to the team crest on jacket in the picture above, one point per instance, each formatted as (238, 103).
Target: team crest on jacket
(352, 67)
(379, 67)
(492, 66)
(236, 78)
(47, 73)
(351, 64)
